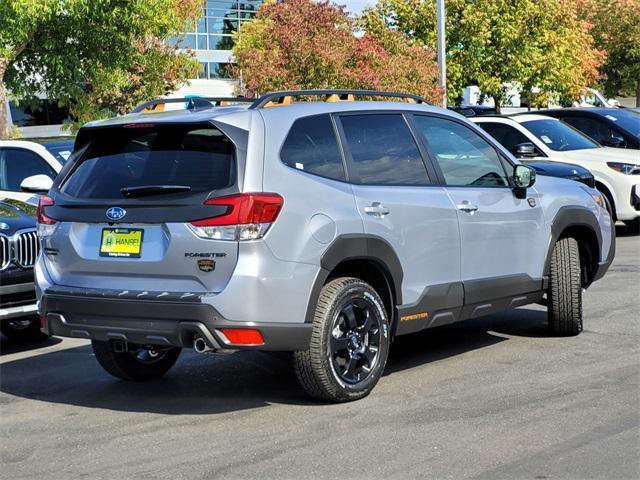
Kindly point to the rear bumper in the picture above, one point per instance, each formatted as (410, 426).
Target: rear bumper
(156, 321)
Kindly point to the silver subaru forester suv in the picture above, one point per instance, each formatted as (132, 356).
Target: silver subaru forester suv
(324, 228)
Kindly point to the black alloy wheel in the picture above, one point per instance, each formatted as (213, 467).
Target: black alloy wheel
(354, 341)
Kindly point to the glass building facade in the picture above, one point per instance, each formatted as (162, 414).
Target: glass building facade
(212, 39)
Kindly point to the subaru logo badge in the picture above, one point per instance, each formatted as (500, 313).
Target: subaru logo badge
(116, 213)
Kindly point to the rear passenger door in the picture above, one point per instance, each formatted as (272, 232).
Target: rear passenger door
(503, 237)
(399, 200)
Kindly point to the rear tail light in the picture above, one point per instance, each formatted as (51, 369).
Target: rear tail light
(248, 217)
(46, 224)
(242, 336)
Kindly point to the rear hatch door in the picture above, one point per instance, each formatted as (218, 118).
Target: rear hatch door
(125, 204)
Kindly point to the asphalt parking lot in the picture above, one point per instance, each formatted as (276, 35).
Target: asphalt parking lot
(493, 398)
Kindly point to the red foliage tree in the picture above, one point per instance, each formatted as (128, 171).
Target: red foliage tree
(302, 44)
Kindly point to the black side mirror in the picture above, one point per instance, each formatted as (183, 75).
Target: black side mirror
(523, 178)
(523, 150)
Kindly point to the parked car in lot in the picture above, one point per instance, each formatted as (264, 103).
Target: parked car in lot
(26, 169)
(536, 136)
(18, 253)
(611, 127)
(322, 228)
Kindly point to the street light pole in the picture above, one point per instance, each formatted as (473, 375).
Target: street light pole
(442, 58)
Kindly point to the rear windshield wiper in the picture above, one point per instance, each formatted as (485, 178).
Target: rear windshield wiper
(147, 190)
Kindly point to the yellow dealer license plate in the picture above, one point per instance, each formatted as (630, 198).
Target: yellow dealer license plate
(121, 242)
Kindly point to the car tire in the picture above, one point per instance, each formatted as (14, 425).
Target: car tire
(633, 225)
(19, 331)
(349, 343)
(565, 289)
(135, 364)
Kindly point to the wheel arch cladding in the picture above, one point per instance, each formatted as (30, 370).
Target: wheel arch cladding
(367, 257)
(580, 223)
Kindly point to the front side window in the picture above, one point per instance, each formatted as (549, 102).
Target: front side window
(383, 150)
(626, 119)
(595, 129)
(506, 135)
(199, 158)
(464, 157)
(16, 164)
(311, 146)
(559, 136)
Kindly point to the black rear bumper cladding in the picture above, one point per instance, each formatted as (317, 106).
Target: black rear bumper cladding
(157, 322)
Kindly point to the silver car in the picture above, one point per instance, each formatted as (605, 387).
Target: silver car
(325, 228)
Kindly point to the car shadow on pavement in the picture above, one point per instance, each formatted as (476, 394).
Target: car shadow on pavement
(210, 384)
(8, 346)
(443, 342)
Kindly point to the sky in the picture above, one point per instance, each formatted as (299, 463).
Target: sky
(355, 6)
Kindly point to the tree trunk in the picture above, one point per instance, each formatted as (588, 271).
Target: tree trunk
(5, 129)
(638, 92)
(496, 102)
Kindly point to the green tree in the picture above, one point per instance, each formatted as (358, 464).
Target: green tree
(90, 54)
(301, 44)
(616, 29)
(490, 43)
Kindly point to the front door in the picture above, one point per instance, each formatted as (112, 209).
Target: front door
(502, 237)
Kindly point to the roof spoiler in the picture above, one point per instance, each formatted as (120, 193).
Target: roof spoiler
(276, 99)
(191, 103)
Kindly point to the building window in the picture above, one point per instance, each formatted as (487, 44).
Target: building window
(204, 70)
(220, 20)
(219, 70)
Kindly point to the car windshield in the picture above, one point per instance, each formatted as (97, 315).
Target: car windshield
(60, 150)
(559, 136)
(626, 119)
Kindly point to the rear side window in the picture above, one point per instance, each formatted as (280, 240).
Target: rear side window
(200, 157)
(312, 146)
(383, 150)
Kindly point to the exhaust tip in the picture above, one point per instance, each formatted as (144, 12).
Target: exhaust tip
(199, 345)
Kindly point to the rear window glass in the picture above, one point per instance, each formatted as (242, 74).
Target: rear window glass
(200, 157)
(311, 146)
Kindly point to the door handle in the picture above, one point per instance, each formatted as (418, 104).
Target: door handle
(377, 210)
(465, 206)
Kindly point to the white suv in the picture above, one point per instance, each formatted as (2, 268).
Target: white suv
(617, 171)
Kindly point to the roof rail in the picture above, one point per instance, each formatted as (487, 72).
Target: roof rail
(194, 103)
(274, 99)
